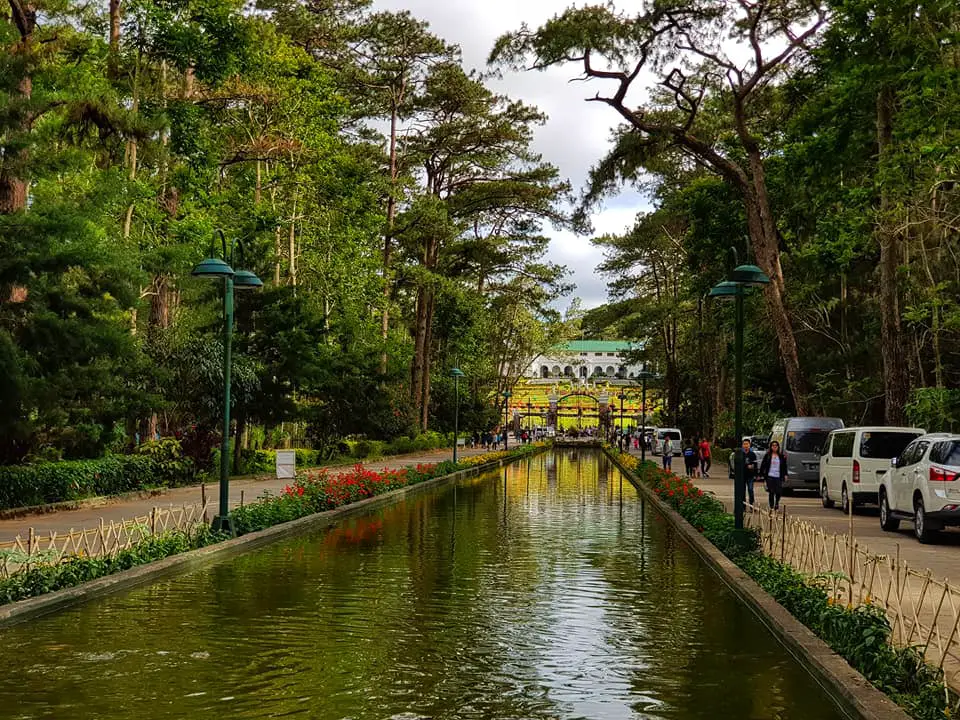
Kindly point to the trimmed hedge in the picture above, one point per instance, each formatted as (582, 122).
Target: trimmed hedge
(25, 485)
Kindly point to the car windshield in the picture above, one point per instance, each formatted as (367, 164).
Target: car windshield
(884, 444)
(672, 434)
(759, 443)
(806, 441)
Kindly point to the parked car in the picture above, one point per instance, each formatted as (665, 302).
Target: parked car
(855, 459)
(676, 440)
(801, 439)
(923, 486)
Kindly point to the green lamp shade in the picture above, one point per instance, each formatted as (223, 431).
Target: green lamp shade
(725, 290)
(456, 372)
(213, 268)
(750, 275)
(246, 280)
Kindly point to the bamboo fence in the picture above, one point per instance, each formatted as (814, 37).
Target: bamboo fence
(924, 611)
(107, 539)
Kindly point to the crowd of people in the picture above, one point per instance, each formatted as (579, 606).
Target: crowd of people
(496, 438)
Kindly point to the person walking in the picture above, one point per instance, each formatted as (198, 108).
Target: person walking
(690, 459)
(705, 458)
(667, 450)
(749, 469)
(773, 470)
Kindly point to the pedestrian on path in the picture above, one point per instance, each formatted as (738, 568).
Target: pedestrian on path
(667, 450)
(773, 470)
(749, 469)
(690, 459)
(705, 458)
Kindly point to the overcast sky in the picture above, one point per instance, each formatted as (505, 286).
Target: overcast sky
(576, 134)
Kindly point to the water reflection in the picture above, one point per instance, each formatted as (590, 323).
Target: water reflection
(542, 591)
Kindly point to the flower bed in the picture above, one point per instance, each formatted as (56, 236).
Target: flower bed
(861, 635)
(319, 490)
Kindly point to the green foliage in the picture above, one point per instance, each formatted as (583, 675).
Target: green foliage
(172, 467)
(27, 485)
(936, 409)
(43, 578)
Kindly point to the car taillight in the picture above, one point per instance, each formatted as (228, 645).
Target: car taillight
(941, 475)
(856, 471)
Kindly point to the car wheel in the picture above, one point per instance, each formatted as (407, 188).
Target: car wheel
(844, 500)
(887, 522)
(825, 496)
(921, 527)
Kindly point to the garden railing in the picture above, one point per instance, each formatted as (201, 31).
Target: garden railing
(107, 539)
(924, 611)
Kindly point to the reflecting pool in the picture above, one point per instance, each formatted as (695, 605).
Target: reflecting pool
(546, 590)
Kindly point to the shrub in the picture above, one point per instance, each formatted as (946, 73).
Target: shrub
(306, 457)
(26, 485)
(171, 465)
(361, 449)
(399, 446)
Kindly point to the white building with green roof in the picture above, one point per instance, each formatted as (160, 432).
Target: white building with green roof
(586, 359)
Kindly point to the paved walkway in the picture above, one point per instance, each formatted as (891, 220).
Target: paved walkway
(89, 516)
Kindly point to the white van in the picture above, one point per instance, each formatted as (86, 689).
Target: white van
(855, 460)
(676, 440)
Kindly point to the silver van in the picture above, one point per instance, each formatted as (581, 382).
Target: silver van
(802, 439)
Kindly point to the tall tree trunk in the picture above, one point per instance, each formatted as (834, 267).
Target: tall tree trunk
(896, 381)
(13, 184)
(113, 63)
(427, 358)
(420, 335)
(765, 239)
(388, 237)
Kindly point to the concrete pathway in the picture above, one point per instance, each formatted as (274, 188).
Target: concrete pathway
(128, 508)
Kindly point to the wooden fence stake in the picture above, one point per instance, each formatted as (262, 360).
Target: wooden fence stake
(783, 534)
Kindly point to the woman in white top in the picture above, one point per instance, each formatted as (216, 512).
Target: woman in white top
(773, 470)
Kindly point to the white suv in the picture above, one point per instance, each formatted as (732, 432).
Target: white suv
(923, 485)
(855, 459)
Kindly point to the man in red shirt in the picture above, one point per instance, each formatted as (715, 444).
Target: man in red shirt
(704, 458)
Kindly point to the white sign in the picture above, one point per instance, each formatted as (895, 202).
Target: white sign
(286, 464)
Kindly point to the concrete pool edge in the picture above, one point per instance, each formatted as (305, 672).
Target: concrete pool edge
(30, 608)
(851, 690)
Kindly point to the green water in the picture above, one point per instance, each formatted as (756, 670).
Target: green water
(544, 591)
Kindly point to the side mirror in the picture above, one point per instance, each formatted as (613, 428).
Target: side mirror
(893, 462)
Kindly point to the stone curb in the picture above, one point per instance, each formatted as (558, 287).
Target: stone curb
(851, 690)
(22, 610)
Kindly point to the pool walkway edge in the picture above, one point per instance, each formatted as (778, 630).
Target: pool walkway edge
(848, 687)
(23, 610)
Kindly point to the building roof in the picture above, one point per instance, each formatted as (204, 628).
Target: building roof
(578, 346)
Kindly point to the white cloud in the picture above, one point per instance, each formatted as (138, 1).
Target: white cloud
(577, 133)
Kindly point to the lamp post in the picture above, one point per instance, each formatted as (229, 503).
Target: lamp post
(621, 396)
(644, 375)
(506, 419)
(529, 415)
(456, 373)
(744, 276)
(232, 280)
